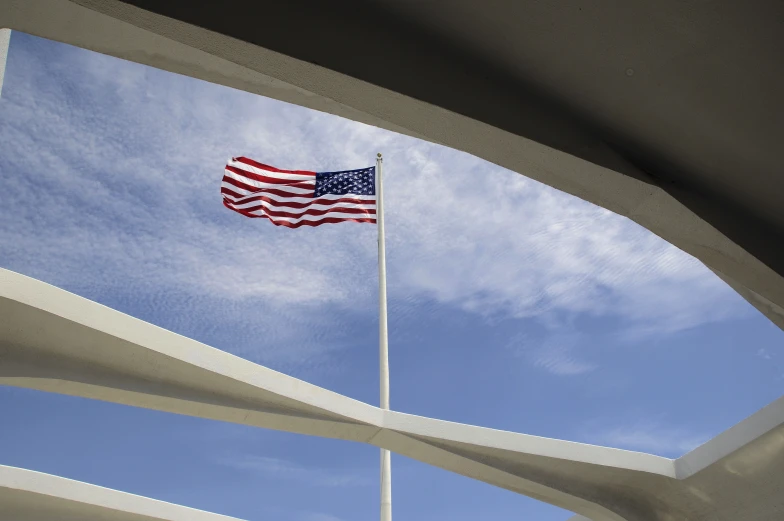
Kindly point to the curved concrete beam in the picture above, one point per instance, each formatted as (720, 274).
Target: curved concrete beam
(55, 341)
(26, 495)
(5, 40)
(587, 168)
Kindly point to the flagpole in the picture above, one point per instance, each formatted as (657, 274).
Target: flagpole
(386, 460)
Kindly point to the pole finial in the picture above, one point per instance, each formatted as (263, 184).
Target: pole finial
(379, 154)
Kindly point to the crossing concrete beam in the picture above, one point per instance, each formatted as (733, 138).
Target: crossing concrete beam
(52, 340)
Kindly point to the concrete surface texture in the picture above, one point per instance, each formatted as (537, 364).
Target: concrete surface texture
(667, 112)
(26, 495)
(5, 40)
(55, 341)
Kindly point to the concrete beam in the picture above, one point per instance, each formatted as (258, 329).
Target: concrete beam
(55, 341)
(5, 42)
(118, 29)
(26, 495)
(771, 310)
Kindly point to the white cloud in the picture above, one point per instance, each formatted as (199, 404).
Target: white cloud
(112, 173)
(648, 435)
(495, 242)
(320, 516)
(556, 353)
(273, 468)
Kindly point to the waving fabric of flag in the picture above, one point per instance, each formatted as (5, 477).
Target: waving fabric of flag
(295, 198)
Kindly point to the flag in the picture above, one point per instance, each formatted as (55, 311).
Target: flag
(295, 198)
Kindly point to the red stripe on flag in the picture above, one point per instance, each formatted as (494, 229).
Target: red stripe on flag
(262, 166)
(273, 191)
(326, 220)
(240, 199)
(271, 180)
(312, 211)
(231, 193)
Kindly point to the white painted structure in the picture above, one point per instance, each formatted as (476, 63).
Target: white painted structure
(26, 495)
(5, 41)
(383, 340)
(55, 341)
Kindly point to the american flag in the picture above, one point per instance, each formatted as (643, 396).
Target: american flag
(295, 198)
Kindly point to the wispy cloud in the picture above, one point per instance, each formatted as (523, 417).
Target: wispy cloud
(123, 165)
(647, 435)
(320, 516)
(278, 469)
(499, 243)
(556, 354)
(764, 353)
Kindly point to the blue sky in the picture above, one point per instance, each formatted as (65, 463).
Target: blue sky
(511, 305)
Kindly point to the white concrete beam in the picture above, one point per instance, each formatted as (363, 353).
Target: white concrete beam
(5, 42)
(55, 341)
(26, 495)
(52, 340)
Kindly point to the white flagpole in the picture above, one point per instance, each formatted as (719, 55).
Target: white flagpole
(386, 460)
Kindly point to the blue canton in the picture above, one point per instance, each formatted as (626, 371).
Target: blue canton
(356, 182)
